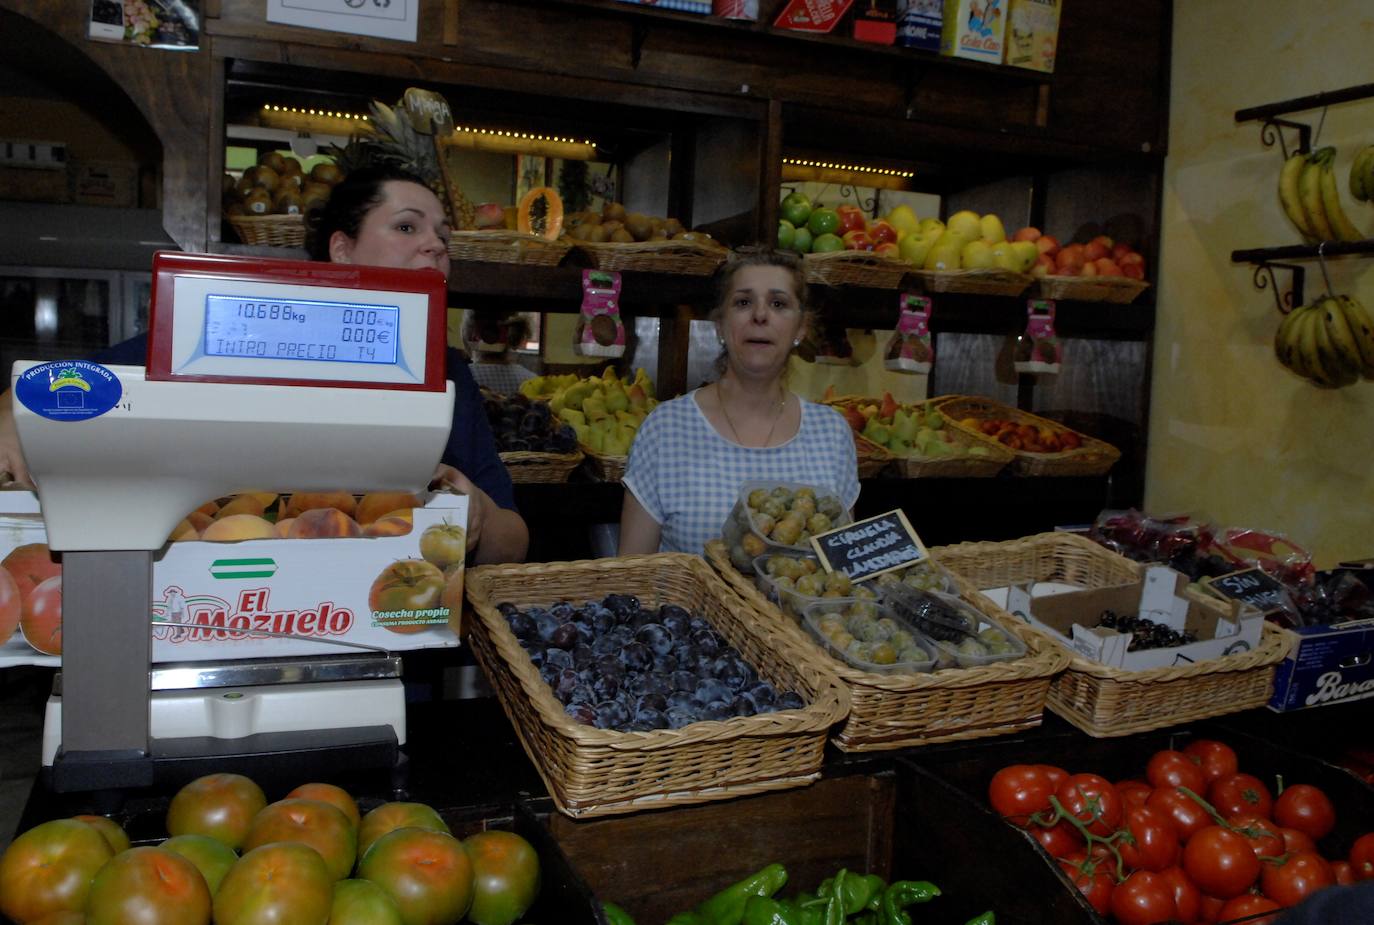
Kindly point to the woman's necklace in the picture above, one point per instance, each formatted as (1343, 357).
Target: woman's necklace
(777, 416)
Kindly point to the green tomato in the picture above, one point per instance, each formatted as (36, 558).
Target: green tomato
(824, 243)
(787, 233)
(823, 221)
(796, 208)
(801, 240)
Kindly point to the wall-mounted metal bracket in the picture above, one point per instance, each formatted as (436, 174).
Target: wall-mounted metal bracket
(1285, 301)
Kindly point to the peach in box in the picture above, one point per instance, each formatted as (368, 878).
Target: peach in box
(380, 503)
(322, 522)
(308, 500)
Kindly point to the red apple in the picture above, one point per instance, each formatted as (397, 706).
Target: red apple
(1120, 250)
(886, 249)
(882, 232)
(1048, 244)
(1133, 271)
(851, 218)
(1132, 257)
(1095, 250)
(1069, 260)
(1106, 266)
(1105, 241)
(1029, 233)
(1044, 266)
(857, 241)
(1089, 268)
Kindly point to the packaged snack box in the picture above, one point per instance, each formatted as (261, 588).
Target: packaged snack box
(974, 29)
(1032, 34)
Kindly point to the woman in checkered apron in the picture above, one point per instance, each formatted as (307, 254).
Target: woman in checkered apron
(692, 453)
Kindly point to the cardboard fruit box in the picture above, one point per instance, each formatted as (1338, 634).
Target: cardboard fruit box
(1326, 665)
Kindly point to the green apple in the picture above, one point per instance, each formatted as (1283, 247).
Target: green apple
(1025, 252)
(993, 232)
(787, 233)
(931, 224)
(801, 240)
(903, 219)
(825, 243)
(966, 224)
(1004, 258)
(975, 255)
(796, 208)
(913, 249)
(823, 221)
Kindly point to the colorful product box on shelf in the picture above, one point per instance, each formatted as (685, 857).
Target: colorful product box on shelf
(1221, 628)
(736, 9)
(1327, 664)
(875, 21)
(974, 29)
(812, 15)
(919, 24)
(1032, 34)
(682, 6)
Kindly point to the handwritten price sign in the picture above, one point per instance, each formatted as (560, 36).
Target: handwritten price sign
(870, 547)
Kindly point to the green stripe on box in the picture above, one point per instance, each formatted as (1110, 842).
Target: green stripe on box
(243, 568)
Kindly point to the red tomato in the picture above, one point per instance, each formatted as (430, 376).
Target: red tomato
(1345, 874)
(1168, 768)
(1059, 839)
(219, 805)
(1187, 897)
(1091, 800)
(1143, 898)
(49, 869)
(1093, 880)
(1209, 909)
(1150, 842)
(1243, 906)
(1293, 840)
(505, 876)
(1362, 856)
(322, 826)
(1220, 862)
(285, 883)
(1305, 808)
(148, 885)
(427, 873)
(1302, 874)
(1240, 793)
(1133, 792)
(1186, 813)
(1263, 835)
(1217, 759)
(1020, 790)
(1054, 773)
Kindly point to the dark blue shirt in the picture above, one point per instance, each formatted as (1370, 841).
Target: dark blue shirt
(471, 447)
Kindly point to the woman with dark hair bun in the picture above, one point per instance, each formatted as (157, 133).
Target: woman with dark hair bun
(382, 216)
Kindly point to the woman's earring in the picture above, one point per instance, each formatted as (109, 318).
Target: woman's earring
(797, 342)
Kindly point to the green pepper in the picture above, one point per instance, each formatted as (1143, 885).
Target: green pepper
(812, 908)
(727, 906)
(686, 918)
(855, 891)
(616, 915)
(763, 910)
(987, 918)
(904, 893)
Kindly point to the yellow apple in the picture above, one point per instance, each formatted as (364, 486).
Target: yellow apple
(976, 255)
(913, 249)
(944, 253)
(931, 224)
(966, 224)
(992, 230)
(1003, 258)
(1026, 253)
(903, 219)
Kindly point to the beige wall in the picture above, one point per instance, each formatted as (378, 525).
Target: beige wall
(1234, 437)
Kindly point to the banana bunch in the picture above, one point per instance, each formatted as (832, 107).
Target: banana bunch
(1310, 199)
(1330, 342)
(1362, 174)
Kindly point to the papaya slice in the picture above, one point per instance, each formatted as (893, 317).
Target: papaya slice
(541, 212)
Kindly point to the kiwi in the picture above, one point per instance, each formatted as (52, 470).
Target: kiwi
(287, 201)
(258, 202)
(639, 226)
(290, 167)
(295, 181)
(659, 235)
(312, 189)
(273, 159)
(596, 234)
(613, 210)
(325, 172)
(621, 236)
(244, 186)
(267, 178)
(673, 227)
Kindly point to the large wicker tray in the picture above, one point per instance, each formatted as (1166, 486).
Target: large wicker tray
(527, 467)
(270, 230)
(890, 711)
(1093, 457)
(1117, 289)
(988, 281)
(854, 268)
(693, 258)
(1105, 701)
(593, 772)
(507, 247)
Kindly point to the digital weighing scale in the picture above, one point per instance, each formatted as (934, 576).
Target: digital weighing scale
(261, 375)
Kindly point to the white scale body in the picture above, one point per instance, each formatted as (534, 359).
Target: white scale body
(261, 375)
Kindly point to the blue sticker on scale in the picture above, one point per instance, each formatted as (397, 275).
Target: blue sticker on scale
(69, 390)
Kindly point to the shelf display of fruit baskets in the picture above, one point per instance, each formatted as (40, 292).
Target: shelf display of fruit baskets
(979, 281)
(854, 268)
(945, 451)
(1119, 290)
(1106, 701)
(269, 230)
(889, 711)
(691, 257)
(592, 771)
(1087, 456)
(497, 246)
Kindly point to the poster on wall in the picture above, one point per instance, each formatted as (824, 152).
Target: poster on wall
(383, 19)
(168, 24)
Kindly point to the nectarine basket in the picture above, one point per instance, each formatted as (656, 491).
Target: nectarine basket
(1091, 457)
(1119, 290)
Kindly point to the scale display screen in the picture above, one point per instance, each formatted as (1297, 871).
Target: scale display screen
(253, 320)
(298, 329)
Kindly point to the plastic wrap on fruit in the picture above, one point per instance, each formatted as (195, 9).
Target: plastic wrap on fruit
(1275, 553)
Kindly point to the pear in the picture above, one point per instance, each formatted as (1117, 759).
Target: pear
(976, 255)
(1003, 258)
(1026, 252)
(967, 224)
(993, 232)
(931, 224)
(944, 255)
(616, 399)
(903, 219)
(572, 416)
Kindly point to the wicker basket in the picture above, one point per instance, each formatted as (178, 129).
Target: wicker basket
(692, 258)
(985, 281)
(525, 466)
(507, 247)
(604, 468)
(593, 772)
(271, 230)
(1117, 289)
(854, 268)
(1093, 457)
(958, 466)
(1105, 701)
(890, 711)
(873, 457)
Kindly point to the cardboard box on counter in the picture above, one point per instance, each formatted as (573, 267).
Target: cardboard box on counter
(1327, 664)
(1221, 628)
